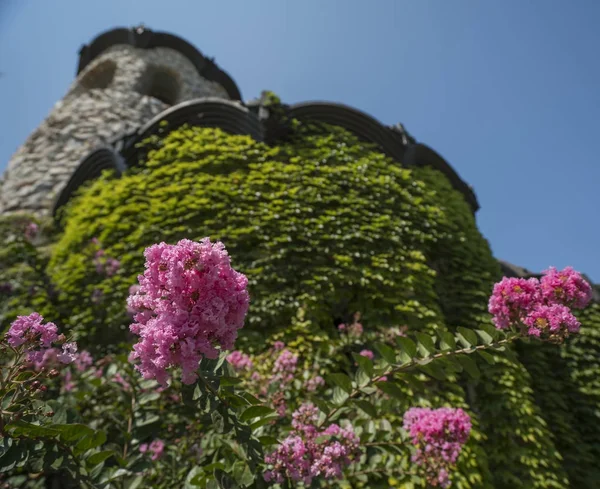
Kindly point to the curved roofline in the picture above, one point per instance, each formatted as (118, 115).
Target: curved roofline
(395, 144)
(143, 38)
(89, 167)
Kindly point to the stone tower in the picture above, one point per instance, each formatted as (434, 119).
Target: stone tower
(124, 78)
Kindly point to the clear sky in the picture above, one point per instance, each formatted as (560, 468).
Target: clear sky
(507, 91)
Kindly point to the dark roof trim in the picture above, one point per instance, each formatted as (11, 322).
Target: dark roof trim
(141, 37)
(392, 141)
(89, 168)
(422, 155)
(229, 116)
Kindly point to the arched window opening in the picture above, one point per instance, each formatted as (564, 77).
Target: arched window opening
(164, 86)
(100, 76)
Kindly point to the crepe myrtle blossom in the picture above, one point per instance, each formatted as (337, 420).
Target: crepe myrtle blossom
(540, 308)
(309, 452)
(191, 304)
(438, 436)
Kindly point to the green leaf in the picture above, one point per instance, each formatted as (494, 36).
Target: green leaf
(263, 421)
(366, 406)
(391, 389)
(386, 352)
(29, 430)
(467, 337)
(364, 363)
(341, 380)
(339, 396)
(256, 412)
(434, 370)
(469, 365)
(407, 346)
(485, 336)
(447, 341)
(489, 358)
(224, 480)
(322, 404)
(99, 457)
(228, 381)
(268, 440)
(425, 344)
(73, 432)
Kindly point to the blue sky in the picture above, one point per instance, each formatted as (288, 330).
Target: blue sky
(508, 91)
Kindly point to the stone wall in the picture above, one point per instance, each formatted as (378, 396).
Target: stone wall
(119, 91)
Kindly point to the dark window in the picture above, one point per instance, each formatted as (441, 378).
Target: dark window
(100, 76)
(164, 86)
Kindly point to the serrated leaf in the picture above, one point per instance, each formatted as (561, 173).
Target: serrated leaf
(256, 412)
(341, 380)
(467, 337)
(322, 404)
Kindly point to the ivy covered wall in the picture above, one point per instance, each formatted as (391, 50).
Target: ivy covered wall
(327, 222)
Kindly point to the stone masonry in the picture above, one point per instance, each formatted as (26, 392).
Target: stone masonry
(120, 90)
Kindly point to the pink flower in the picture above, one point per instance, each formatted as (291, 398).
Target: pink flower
(355, 329)
(68, 354)
(83, 361)
(285, 366)
(239, 360)
(555, 322)
(308, 453)
(341, 327)
(314, 383)
(278, 345)
(157, 448)
(30, 330)
(367, 354)
(191, 305)
(438, 435)
(68, 384)
(118, 379)
(512, 299)
(566, 287)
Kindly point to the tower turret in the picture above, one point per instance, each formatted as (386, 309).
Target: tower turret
(124, 78)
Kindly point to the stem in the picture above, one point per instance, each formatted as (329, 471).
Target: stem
(129, 423)
(414, 361)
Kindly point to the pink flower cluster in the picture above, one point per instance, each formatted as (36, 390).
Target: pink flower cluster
(156, 447)
(438, 435)
(105, 265)
(191, 304)
(285, 366)
(37, 338)
(542, 306)
(309, 452)
(239, 360)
